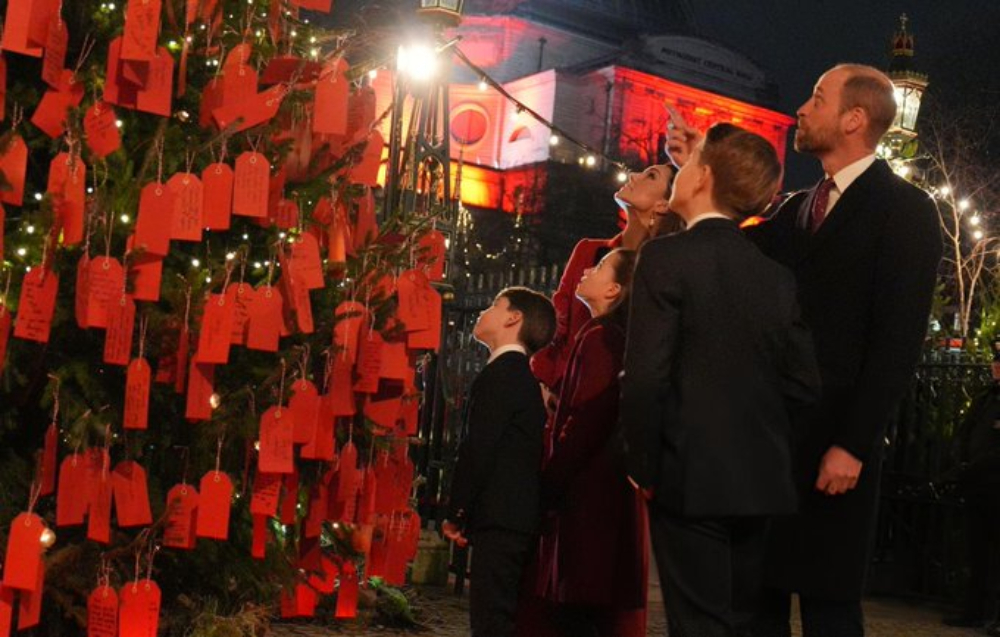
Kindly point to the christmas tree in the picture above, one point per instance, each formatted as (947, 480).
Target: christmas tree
(209, 327)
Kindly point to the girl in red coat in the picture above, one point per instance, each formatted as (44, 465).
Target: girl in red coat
(593, 562)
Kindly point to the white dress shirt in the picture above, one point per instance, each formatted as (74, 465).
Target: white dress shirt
(503, 349)
(706, 215)
(845, 177)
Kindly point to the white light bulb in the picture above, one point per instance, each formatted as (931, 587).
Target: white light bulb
(483, 85)
(553, 140)
(964, 204)
(622, 176)
(977, 235)
(591, 161)
(30, 229)
(38, 196)
(21, 252)
(195, 263)
(230, 256)
(974, 220)
(945, 190)
(125, 218)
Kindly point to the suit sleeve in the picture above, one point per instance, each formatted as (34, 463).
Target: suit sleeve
(490, 413)
(650, 352)
(905, 276)
(548, 364)
(592, 408)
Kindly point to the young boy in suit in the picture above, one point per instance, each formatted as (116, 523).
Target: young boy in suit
(715, 352)
(495, 489)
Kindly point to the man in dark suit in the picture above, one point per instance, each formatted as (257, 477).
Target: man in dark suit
(864, 246)
(495, 500)
(715, 349)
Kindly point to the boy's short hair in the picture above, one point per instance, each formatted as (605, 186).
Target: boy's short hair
(538, 316)
(745, 166)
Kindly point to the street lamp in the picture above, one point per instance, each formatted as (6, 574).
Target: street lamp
(449, 11)
(909, 86)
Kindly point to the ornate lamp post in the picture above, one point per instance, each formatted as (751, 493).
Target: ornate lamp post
(900, 142)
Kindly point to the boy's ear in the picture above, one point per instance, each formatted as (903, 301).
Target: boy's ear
(705, 178)
(513, 318)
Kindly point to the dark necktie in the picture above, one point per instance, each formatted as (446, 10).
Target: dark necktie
(820, 201)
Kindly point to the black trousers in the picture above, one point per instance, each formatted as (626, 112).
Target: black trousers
(710, 571)
(498, 559)
(820, 617)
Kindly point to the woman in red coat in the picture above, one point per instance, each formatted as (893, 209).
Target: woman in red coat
(593, 562)
(643, 201)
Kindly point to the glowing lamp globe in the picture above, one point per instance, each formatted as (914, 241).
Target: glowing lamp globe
(446, 11)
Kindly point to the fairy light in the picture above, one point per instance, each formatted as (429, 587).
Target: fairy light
(974, 220)
(38, 196)
(977, 235)
(553, 140)
(195, 263)
(964, 204)
(125, 218)
(30, 229)
(22, 251)
(47, 538)
(945, 190)
(230, 256)
(590, 161)
(483, 85)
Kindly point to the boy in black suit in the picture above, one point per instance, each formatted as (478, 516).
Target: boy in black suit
(715, 353)
(495, 489)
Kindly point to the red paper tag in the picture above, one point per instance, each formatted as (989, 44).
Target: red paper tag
(369, 362)
(239, 83)
(217, 202)
(121, 325)
(6, 610)
(276, 449)
(240, 297)
(252, 111)
(429, 338)
(266, 492)
(214, 504)
(131, 495)
(155, 97)
(321, 447)
(395, 361)
(117, 90)
(432, 254)
(366, 505)
(199, 393)
(55, 52)
(29, 607)
(140, 604)
(366, 172)
(314, 5)
(361, 113)
(71, 496)
(304, 406)
(250, 189)
(156, 209)
(318, 496)
(286, 215)
(259, 536)
(303, 305)
(147, 274)
(186, 219)
(211, 99)
(332, 92)
(350, 477)
(38, 303)
(325, 580)
(24, 552)
(264, 326)
(106, 283)
(182, 504)
(100, 124)
(142, 26)
(14, 165)
(366, 228)
(49, 460)
(17, 33)
(290, 502)
(102, 612)
(99, 514)
(306, 263)
(412, 287)
(285, 68)
(349, 318)
(216, 331)
(67, 182)
(347, 596)
(341, 388)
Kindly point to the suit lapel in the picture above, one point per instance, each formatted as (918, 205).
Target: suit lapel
(849, 207)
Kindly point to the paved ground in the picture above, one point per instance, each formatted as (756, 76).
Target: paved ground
(445, 615)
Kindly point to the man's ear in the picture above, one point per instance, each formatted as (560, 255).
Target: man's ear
(854, 120)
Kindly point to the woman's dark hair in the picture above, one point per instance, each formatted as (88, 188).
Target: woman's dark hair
(623, 267)
(538, 317)
(745, 166)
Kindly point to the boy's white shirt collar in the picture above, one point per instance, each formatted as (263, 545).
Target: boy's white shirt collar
(705, 215)
(503, 349)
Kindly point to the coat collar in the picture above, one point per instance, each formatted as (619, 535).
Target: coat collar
(850, 205)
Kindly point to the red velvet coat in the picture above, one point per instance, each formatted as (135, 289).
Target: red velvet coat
(549, 363)
(593, 549)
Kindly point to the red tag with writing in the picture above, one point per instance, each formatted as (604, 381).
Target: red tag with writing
(276, 449)
(265, 320)
(217, 198)
(266, 492)
(106, 283)
(347, 596)
(50, 115)
(250, 189)
(67, 182)
(366, 228)
(306, 263)
(142, 26)
(349, 318)
(332, 92)
(239, 83)
(152, 228)
(155, 97)
(303, 305)
(121, 325)
(240, 297)
(395, 361)
(71, 496)
(6, 610)
(99, 514)
(182, 505)
(252, 111)
(285, 68)
(102, 612)
(24, 552)
(366, 171)
(321, 446)
(29, 607)
(211, 99)
(369, 362)
(186, 221)
(140, 604)
(411, 287)
(429, 338)
(350, 477)
(147, 274)
(14, 165)
(38, 303)
(17, 33)
(431, 254)
(289, 503)
(259, 541)
(361, 113)
(216, 331)
(55, 52)
(304, 406)
(131, 495)
(199, 394)
(117, 90)
(100, 125)
(342, 388)
(216, 491)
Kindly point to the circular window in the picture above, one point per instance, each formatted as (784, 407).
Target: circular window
(468, 124)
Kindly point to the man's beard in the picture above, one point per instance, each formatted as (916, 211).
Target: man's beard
(812, 142)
